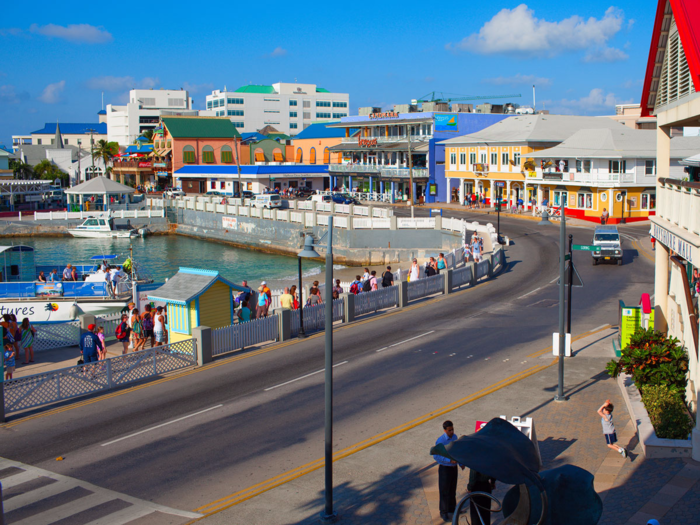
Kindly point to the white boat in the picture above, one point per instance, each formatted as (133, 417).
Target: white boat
(99, 228)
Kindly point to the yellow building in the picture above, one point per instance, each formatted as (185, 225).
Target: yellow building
(313, 145)
(194, 298)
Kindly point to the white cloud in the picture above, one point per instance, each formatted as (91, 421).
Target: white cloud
(198, 88)
(519, 31)
(277, 52)
(605, 54)
(52, 92)
(9, 95)
(595, 102)
(79, 33)
(110, 83)
(10, 31)
(519, 79)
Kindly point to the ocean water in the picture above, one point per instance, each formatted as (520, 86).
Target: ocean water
(162, 255)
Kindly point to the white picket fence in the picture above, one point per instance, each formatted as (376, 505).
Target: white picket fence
(114, 214)
(242, 335)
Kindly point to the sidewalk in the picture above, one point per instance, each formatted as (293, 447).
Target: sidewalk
(395, 481)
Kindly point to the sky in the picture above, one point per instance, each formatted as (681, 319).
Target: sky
(584, 57)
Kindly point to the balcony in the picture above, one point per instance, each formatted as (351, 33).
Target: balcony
(354, 168)
(580, 177)
(415, 139)
(405, 173)
(142, 165)
(678, 202)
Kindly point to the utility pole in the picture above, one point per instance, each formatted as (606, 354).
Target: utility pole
(410, 168)
(240, 191)
(92, 149)
(80, 150)
(562, 280)
(571, 280)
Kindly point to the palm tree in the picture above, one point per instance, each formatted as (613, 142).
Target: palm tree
(22, 170)
(148, 134)
(105, 150)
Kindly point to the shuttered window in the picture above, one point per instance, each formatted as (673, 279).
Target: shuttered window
(259, 156)
(326, 156)
(312, 156)
(208, 154)
(226, 155)
(188, 155)
(277, 156)
(298, 158)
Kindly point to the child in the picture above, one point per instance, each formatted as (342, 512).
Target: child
(101, 354)
(605, 413)
(27, 339)
(9, 361)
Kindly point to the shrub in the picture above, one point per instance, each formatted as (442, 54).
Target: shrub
(651, 359)
(667, 412)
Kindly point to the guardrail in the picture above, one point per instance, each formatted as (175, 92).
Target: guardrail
(241, 335)
(315, 316)
(377, 300)
(427, 286)
(91, 378)
(114, 214)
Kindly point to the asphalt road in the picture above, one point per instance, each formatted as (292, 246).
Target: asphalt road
(200, 437)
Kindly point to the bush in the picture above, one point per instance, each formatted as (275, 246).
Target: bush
(667, 412)
(652, 359)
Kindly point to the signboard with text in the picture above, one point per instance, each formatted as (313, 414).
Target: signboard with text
(446, 123)
(229, 223)
(688, 251)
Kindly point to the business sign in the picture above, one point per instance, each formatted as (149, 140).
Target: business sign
(432, 190)
(480, 425)
(229, 223)
(499, 183)
(162, 173)
(39, 312)
(144, 164)
(388, 114)
(446, 123)
(481, 167)
(367, 143)
(532, 174)
(689, 252)
(159, 164)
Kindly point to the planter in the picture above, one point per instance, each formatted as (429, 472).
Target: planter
(653, 446)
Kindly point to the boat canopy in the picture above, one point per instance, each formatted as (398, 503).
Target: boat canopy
(103, 257)
(16, 248)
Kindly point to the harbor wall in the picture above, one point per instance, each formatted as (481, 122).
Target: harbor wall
(32, 228)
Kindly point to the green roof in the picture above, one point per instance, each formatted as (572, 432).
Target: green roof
(200, 128)
(254, 88)
(322, 90)
(276, 136)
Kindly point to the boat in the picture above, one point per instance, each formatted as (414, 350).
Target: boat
(102, 228)
(58, 301)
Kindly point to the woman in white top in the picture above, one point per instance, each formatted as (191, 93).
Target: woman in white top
(415, 271)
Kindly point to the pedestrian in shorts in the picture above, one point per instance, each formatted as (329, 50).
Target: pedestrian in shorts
(605, 412)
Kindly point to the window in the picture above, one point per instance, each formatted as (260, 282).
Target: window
(323, 115)
(307, 115)
(494, 159)
(649, 201)
(340, 104)
(235, 112)
(617, 166)
(323, 104)
(188, 155)
(179, 102)
(169, 144)
(222, 185)
(583, 166)
(516, 159)
(293, 125)
(212, 184)
(292, 114)
(650, 167)
(453, 159)
(235, 101)
(226, 154)
(221, 113)
(504, 159)
(560, 197)
(482, 157)
(277, 155)
(307, 104)
(238, 124)
(472, 159)
(299, 156)
(585, 201)
(462, 158)
(209, 104)
(292, 102)
(312, 156)
(259, 155)
(208, 154)
(339, 115)
(326, 156)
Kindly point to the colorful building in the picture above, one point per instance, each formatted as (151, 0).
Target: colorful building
(499, 156)
(194, 298)
(313, 145)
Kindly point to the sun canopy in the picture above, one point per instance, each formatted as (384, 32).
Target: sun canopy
(100, 186)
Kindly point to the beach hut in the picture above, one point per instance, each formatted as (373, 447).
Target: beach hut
(17, 264)
(102, 189)
(194, 298)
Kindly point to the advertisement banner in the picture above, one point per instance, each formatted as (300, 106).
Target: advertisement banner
(39, 312)
(446, 123)
(142, 292)
(144, 164)
(229, 223)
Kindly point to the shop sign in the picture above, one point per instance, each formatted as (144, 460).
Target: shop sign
(229, 223)
(162, 173)
(432, 188)
(367, 143)
(532, 174)
(688, 251)
(388, 114)
(144, 164)
(446, 123)
(481, 167)
(159, 164)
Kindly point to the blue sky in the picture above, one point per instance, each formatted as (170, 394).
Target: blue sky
(584, 57)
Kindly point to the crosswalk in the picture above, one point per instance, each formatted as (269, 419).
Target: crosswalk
(34, 496)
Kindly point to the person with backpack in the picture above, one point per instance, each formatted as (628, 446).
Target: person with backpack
(367, 284)
(387, 278)
(147, 323)
(356, 285)
(122, 333)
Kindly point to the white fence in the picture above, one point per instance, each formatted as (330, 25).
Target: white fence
(415, 223)
(241, 335)
(114, 214)
(372, 301)
(90, 378)
(424, 287)
(56, 335)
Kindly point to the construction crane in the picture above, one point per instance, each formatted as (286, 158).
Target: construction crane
(447, 97)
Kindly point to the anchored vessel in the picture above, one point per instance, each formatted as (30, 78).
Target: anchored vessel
(101, 228)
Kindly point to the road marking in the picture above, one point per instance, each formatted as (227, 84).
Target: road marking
(530, 293)
(237, 357)
(554, 280)
(601, 327)
(243, 495)
(160, 426)
(573, 339)
(405, 341)
(302, 377)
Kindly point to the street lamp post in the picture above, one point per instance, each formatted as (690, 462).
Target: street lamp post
(307, 252)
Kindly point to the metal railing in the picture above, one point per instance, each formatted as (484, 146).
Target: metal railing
(90, 378)
(372, 301)
(482, 269)
(424, 287)
(241, 335)
(315, 316)
(461, 276)
(354, 168)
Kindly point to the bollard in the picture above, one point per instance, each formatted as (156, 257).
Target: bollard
(392, 223)
(438, 222)
(86, 320)
(403, 293)
(448, 281)
(284, 318)
(348, 307)
(202, 335)
(472, 266)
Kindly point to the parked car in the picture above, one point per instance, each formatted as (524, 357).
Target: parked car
(246, 194)
(304, 192)
(174, 192)
(214, 193)
(267, 200)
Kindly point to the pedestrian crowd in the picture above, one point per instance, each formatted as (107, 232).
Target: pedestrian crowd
(15, 338)
(474, 248)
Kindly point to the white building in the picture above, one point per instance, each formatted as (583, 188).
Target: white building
(143, 111)
(287, 107)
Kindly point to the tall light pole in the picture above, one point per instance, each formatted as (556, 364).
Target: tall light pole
(92, 149)
(308, 252)
(410, 168)
(80, 150)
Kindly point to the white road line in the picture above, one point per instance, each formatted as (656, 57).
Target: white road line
(161, 425)
(405, 341)
(554, 280)
(303, 377)
(600, 327)
(530, 293)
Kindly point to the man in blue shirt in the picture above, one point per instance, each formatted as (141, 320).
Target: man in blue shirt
(89, 343)
(447, 474)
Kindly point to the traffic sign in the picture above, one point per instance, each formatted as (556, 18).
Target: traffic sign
(584, 247)
(567, 257)
(577, 281)
(499, 184)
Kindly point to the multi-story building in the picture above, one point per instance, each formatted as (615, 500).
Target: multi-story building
(671, 92)
(631, 116)
(288, 107)
(73, 134)
(143, 111)
(499, 156)
(379, 151)
(313, 145)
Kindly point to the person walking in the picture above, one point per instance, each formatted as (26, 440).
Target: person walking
(314, 297)
(101, 354)
(9, 360)
(122, 333)
(337, 288)
(262, 304)
(27, 338)
(89, 345)
(365, 276)
(147, 323)
(441, 263)
(138, 341)
(295, 297)
(159, 327)
(604, 217)
(356, 285)
(387, 278)
(414, 272)
(373, 284)
(286, 300)
(243, 313)
(605, 412)
(476, 250)
(480, 506)
(431, 268)
(447, 474)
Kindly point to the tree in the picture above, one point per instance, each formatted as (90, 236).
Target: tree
(148, 134)
(21, 170)
(46, 170)
(105, 150)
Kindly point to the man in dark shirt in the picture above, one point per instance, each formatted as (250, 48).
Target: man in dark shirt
(89, 343)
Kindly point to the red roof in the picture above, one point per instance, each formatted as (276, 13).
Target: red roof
(687, 16)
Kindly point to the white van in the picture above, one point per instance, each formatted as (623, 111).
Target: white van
(267, 201)
(320, 198)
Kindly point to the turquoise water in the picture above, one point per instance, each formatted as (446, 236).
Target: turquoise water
(162, 255)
